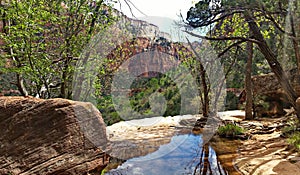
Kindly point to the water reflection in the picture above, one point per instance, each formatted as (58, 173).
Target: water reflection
(187, 158)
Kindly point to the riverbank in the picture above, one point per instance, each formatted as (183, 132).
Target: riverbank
(140, 137)
(265, 152)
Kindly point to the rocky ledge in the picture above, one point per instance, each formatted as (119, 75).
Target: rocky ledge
(267, 152)
(55, 136)
(264, 152)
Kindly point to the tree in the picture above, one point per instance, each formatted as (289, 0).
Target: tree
(22, 28)
(255, 15)
(43, 40)
(248, 84)
(202, 82)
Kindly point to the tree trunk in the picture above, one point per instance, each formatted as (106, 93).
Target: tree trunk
(20, 84)
(248, 83)
(272, 61)
(297, 54)
(64, 81)
(294, 25)
(80, 77)
(202, 83)
(63, 86)
(205, 106)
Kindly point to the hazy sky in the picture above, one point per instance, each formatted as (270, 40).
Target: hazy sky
(162, 8)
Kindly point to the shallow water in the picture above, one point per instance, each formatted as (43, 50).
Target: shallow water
(183, 155)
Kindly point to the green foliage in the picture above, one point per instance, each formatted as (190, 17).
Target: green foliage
(291, 128)
(294, 140)
(208, 12)
(291, 131)
(43, 40)
(228, 19)
(143, 89)
(107, 109)
(288, 130)
(230, 130)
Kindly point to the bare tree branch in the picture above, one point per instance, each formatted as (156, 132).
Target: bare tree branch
(222, 38)
(222, 15)
(129, 8)
(136, 7)
(130, 5)
(230, 47)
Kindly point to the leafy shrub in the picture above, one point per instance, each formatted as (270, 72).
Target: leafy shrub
(290, 128)
(230, 130)
(287, 130)
(294, 140)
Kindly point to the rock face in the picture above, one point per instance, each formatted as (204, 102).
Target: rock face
(266, 152)
(139, 27)
(268, 86)
(144, 57)
(54, 136)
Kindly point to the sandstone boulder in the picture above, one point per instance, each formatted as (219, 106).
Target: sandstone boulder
(55, 136)
(267, 88)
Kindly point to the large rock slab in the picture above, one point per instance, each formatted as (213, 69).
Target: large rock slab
(55, 136)
(267, 84)
(266, 152)
(266, 88)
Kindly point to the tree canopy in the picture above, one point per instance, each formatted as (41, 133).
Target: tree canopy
(43, 39)
(256, 21)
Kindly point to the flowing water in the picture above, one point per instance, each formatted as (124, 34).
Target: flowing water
(183, 155)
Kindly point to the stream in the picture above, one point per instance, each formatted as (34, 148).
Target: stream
(183, 155)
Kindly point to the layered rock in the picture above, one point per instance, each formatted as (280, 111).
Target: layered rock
(267, 152)
(267, 85)
(144, 57)
(138, 27)
(55, 136)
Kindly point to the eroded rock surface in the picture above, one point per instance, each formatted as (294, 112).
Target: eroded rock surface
(54, 136)
(266, 152)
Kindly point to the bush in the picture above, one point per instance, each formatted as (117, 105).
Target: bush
(294, 140)
(290, 128)
(230, 130)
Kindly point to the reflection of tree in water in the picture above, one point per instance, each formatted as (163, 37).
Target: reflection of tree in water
(188, 158)
(206, 162)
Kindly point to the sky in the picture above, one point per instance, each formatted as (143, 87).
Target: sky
(162, 8)
(162, 13)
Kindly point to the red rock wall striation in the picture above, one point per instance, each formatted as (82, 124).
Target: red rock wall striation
(55, 136)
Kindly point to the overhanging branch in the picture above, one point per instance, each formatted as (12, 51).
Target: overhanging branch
(222, 38)
(230, 47)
